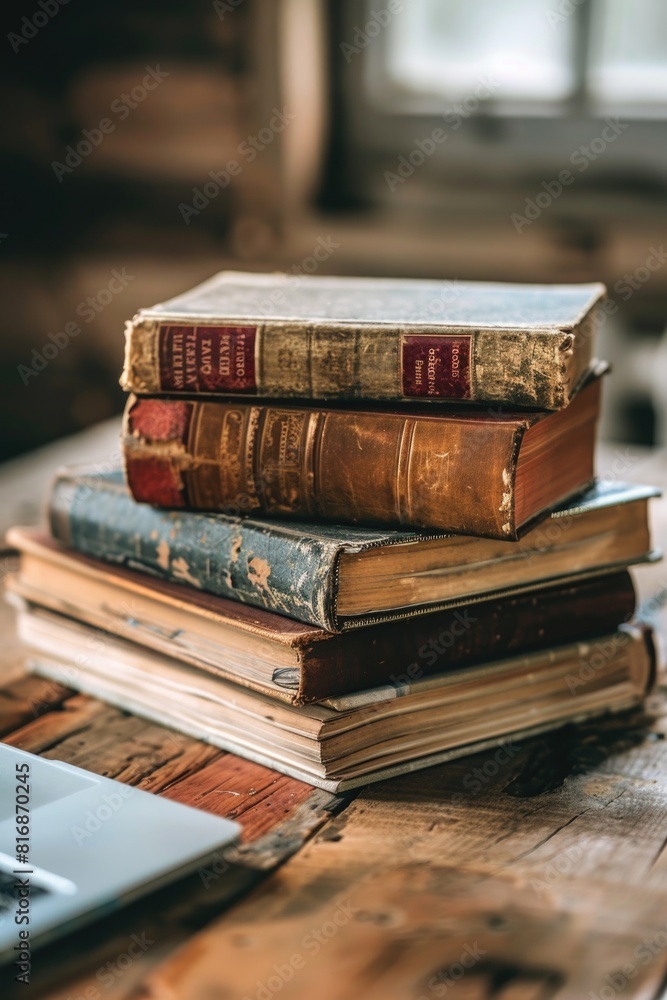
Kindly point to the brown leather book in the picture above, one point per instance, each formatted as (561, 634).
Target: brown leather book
(480, 473)
(299, 663)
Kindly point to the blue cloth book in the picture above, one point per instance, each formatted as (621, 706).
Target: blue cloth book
(340, 577)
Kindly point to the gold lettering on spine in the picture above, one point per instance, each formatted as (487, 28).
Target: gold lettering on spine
(419, 372)
(432, 371)
(231, 442)
(251, 454)
(178, 361)
(206, 367)
(225, 360)
(282, 458)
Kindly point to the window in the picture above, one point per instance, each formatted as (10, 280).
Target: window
(628, 53)
(518, 86)
(539, 54)
(445, 49)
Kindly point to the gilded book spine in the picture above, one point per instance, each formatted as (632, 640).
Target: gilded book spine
(444, 474)
(532, 368)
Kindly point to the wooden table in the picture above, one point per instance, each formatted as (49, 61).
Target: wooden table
(535, 873)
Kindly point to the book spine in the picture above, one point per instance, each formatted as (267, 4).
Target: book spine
(400, 653)
(361, 467)
(536, 369)
(229, 557)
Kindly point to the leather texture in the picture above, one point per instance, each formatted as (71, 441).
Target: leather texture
(453, 472)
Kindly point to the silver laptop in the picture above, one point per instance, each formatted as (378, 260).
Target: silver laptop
(74, 845)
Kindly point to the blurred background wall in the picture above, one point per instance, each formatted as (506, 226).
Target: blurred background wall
(147, 145)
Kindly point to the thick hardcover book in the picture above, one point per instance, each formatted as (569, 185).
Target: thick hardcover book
(473, 473)
(299, 663)
(351, 740)
(340, 577)
(277, 335)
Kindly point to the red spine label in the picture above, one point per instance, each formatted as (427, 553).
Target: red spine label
(436, 366)
(207, 358)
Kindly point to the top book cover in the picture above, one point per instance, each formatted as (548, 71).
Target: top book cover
(294, 337)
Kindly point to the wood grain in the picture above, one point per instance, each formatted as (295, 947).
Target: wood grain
(552, 858)
(26, 699)
(277, 815)
(421, 931)
(563, 837)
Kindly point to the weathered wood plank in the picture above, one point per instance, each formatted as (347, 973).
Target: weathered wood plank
(277, 815)
(418, 931)
(555, 856)
(26, 699)
(75, 713)
(246, 792)
(572, 823)
(90, 734)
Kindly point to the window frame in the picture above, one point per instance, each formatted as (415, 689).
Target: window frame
(515, 142)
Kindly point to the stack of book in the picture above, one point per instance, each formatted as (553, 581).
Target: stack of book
(358, 531)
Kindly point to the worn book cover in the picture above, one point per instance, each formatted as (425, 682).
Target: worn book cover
(340, 577)
(473, 472)
(300, 663)
(278, 335)
(353, 739)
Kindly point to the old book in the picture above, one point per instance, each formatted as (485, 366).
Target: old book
(342, 577)
(278, 335)
(473, 473)
(353, 739)
(298, 663)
